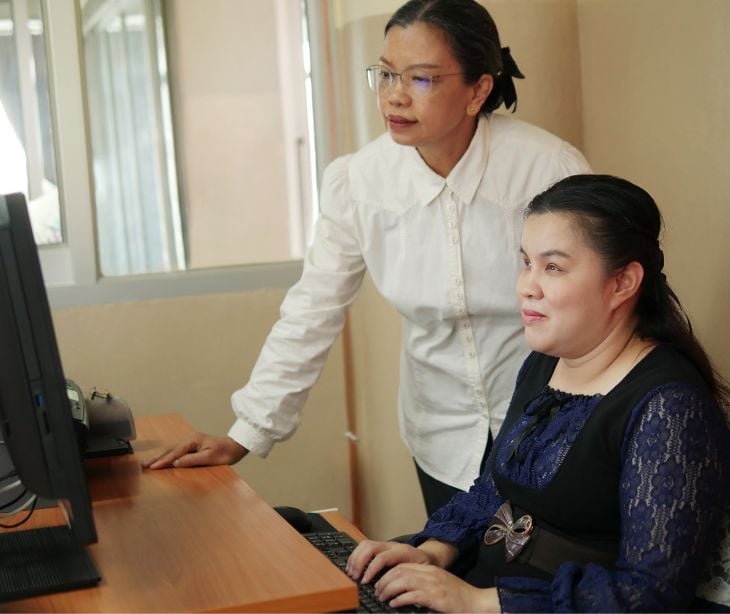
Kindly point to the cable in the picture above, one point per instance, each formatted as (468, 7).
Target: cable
(7, 504)
(32, 503)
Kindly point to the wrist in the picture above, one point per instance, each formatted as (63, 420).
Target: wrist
(440, 554)
(488, 601)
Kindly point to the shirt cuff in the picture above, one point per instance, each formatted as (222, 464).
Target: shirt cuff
(250, 438)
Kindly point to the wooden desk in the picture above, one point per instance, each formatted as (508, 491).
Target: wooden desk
(191, 540)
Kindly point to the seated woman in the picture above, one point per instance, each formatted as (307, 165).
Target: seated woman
(607, 481)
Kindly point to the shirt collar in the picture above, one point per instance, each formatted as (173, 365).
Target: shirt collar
(464, 178)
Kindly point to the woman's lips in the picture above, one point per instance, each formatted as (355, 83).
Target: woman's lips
(531, 317)
(396, 122)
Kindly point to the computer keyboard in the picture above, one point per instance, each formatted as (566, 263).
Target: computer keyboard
(337, 547)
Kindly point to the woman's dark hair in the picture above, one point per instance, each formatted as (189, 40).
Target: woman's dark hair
(622, 223)
(472, 36)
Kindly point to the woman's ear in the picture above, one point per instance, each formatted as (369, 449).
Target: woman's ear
(627, 282)
(482, 89)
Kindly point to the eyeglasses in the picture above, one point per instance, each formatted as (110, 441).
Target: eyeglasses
(415, 80)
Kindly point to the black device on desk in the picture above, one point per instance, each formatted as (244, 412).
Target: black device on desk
(37, 427)
(104, 422)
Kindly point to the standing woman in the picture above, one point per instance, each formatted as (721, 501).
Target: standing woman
(432, 211)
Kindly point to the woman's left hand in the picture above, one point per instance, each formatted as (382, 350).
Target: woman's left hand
(435, 589)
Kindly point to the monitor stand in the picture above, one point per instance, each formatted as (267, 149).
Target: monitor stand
(45, 560)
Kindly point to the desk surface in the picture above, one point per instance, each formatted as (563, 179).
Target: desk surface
(184, 540)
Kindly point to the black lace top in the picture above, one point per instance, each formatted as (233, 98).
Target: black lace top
(651, 474)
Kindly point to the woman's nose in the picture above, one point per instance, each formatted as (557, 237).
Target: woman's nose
(527, 286)
(397, 94)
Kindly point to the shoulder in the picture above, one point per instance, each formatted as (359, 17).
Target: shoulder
(509, 131)
(376, 159)
(369, 171)
(665, 365)
(384, 174)
(524, 159)
(671, 390)
(511, 136)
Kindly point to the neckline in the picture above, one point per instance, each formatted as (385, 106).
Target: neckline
(563, 394)
(626, 376)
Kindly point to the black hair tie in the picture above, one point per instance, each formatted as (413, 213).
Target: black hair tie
(660, 260)
(507, 86)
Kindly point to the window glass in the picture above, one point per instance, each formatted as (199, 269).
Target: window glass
(27, 162)
(199, 129)
(137, 207)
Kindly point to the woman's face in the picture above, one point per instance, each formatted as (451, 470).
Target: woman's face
(565, 294)
(440, 123)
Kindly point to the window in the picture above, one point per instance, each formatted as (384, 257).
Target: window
(153, 133)
(27, 159)
(138, 222)
(199, 133)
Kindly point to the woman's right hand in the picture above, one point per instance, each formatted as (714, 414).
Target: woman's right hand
(371, 557)
(198, 449)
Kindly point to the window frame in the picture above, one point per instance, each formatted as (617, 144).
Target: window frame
(71, 269)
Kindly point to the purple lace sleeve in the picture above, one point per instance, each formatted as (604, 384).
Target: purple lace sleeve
(674, 486)
(461, 521)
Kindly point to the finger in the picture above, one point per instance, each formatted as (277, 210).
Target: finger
(359, 559)
(164, 460)
(167, 458)
(380, 561)
(414, 597)
(194, 459)
(394, 555)
(399, 579)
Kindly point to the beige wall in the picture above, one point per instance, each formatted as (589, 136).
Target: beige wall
(656, 110)
(187, 355)
(639, 87)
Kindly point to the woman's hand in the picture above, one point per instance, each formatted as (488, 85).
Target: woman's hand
(198, 449)
(371, 557)
(434, 588)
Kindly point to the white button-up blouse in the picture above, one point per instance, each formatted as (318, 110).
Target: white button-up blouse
(444, 253)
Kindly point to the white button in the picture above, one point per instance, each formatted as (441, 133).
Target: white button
(466, 324)
(472, 355)
(468, 339)
(452, 207)
(454, 197)
(459, 296)
(454, 239)
(452, 224)
(458, 281)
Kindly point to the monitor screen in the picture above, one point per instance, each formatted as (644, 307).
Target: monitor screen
(35, 416)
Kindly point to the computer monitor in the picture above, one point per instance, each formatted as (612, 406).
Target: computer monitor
(36, 424)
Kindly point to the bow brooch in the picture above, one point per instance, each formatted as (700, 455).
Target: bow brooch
(515, 534)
